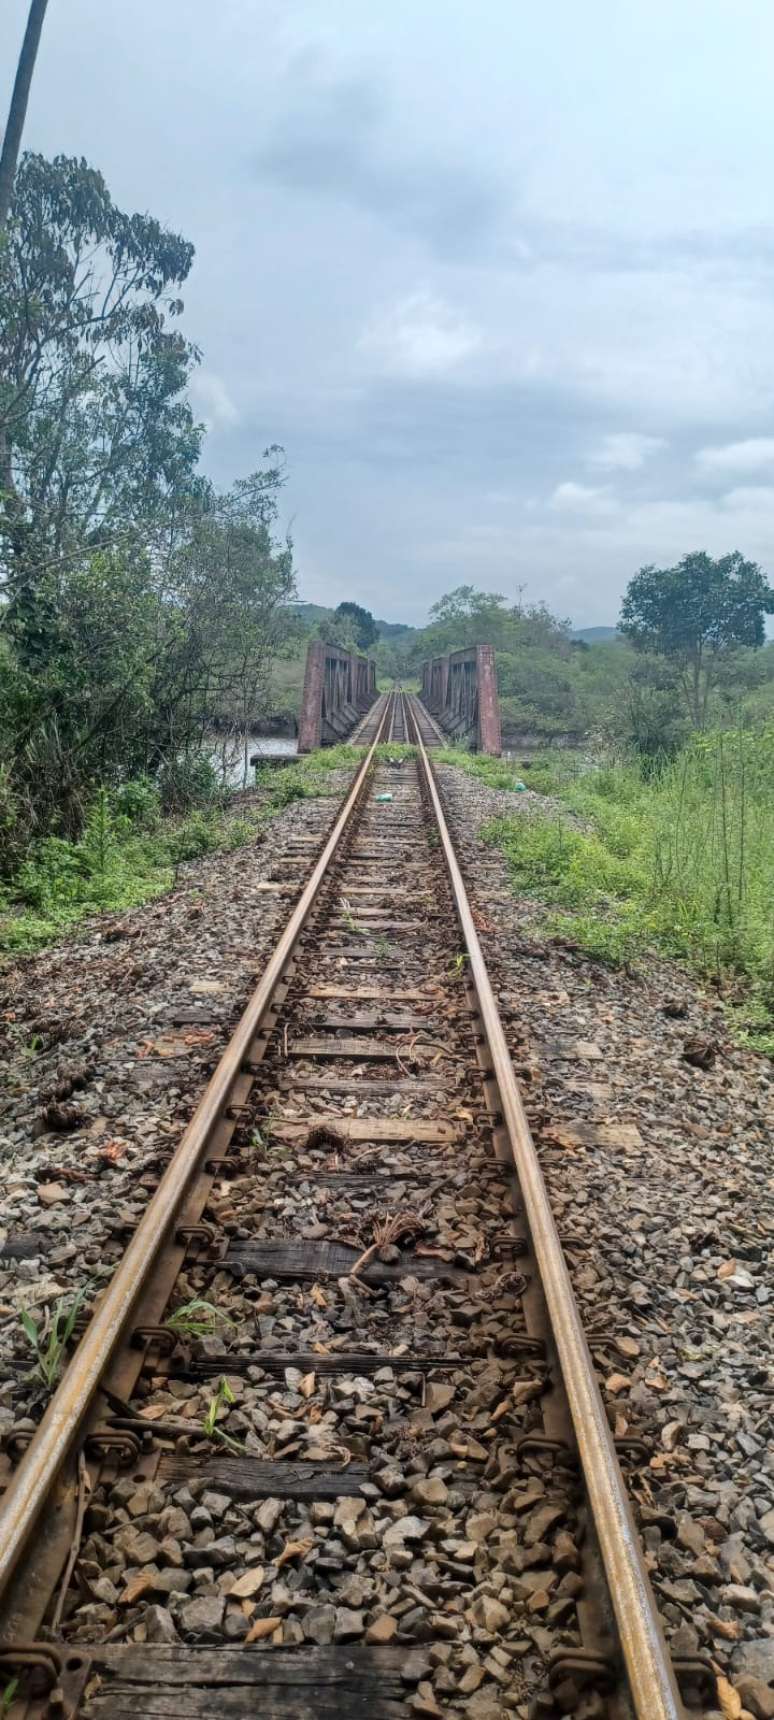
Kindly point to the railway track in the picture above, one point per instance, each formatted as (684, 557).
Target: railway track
(332, 1442)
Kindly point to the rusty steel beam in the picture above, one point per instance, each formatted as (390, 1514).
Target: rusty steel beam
(460, 692)
(648, 1665)
(339, 687)
(31, 1485)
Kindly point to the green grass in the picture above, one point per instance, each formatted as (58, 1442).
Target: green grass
(129, 854)
(680, 862)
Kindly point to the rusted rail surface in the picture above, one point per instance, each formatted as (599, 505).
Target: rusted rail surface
(370, 1058)
(650, 1674)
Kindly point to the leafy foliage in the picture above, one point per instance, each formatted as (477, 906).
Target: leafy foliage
(137, 603)
(48, 1337)
(360, 622)
(694, 614)
(681, 860)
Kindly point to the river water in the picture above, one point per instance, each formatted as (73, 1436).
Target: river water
(227, 753)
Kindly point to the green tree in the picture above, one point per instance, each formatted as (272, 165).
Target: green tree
(360, 621)
(696, 614)
(17, 112)
(96, 432)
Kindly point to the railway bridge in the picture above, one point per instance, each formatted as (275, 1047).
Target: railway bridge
(339, 688)
(458, 698)
(460, 692)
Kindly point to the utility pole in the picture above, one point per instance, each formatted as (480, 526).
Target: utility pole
(16, 114)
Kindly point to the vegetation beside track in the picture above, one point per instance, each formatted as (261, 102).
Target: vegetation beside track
(677, 860)
(131, 849)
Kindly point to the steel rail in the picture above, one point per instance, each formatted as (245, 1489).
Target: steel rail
(56, 1434)
(649, 1669)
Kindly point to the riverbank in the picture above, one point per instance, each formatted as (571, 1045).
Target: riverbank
(678, 862)
(130, 854)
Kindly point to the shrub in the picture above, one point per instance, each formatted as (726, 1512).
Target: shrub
(190, 781)
(139, 800)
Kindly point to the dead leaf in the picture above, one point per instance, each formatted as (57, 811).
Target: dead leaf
(729, 1628)
(263, 1627)
(729, 1701)
(112, 1151)
(136, 1586)
(307, 1385)
(248, 1584)
(295, 1550)
(525, 1390)
(318, 1296)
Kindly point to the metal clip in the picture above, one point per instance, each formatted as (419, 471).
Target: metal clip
(696, 1678)
(190, 1236)
(585, 1668)
(146, 1337)
(117, 1442)
(559, 1448)
(63, 1676)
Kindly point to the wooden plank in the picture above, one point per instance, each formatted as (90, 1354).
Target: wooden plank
(391, 903)
(25, 1247)
(338, 1362)
(368, 1128)
(379, 1089)
(382, 889)
(309, 1261)
(251, 1478)
(191, 1682)
(376, 993)
(367, 1048)
(625, 1136)
(400, 928)
(366, 951)
(375, 1021)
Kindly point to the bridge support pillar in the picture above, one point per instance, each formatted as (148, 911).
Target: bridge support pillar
(489, 738)
(460, 691)
(339, 687)
(310, 720)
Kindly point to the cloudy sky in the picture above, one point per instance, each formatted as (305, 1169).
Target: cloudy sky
(500, 277)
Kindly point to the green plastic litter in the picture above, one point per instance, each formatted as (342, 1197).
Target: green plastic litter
(520, 788)
(382, 797)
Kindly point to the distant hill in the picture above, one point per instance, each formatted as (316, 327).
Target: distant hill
(393, 629)
(595, 635)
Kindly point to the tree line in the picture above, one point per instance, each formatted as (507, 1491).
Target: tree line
(137, 601)
(690, 650)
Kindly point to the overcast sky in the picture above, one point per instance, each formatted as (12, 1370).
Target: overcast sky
(499, 276)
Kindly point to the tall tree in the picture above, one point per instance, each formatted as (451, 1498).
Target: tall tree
(17, 112)
(695, 614)
(361, 623)
(96, 432)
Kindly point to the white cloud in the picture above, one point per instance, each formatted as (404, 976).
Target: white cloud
(753, 497)
(213, 401)
(756, 454)
(572, 498)
(421, 335)
(626, 450)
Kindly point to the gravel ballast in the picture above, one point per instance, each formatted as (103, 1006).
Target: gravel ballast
(666, 1239)
(107, 1040)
